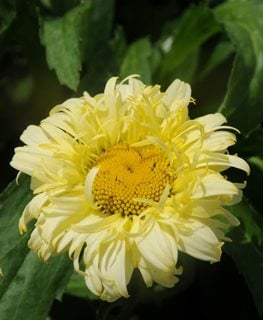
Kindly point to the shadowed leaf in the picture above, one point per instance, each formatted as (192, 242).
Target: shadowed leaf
(244, 25)
(28, 285)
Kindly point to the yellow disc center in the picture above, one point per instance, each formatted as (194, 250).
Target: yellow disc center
(128, 173)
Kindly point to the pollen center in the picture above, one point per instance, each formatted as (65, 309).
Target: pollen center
(129, 175)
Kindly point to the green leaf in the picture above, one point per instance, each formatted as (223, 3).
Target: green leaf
(219, 54)
(59, 7)
(195, 27)
(62, 39)
(34, 288)
(96, 28)
(28, 285)
(250, 147)
(244, 25)
(13, 246)
(105, 64)
(256, 161)
(250, 221)
(74, 37)
(138, 60)
(7, 14)
(246, 249)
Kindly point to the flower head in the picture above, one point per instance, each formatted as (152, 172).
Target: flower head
(125, 180)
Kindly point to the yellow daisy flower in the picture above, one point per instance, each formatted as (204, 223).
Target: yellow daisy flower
(126, 180)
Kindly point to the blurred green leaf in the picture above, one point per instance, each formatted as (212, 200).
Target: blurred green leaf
(62, 39)
(7, 14)
(97, 28)
(46, 3)
(257, 161)
(137, 60)
(220, 53)
(250, 222)
(28, 286)
(195, 27)
(246, 249)
(244, 25)
(104, 64)
(59, 7)
(250, 146)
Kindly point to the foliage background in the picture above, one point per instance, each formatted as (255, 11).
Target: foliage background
(51, 50)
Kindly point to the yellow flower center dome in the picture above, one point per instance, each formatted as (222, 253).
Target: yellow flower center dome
(128, 177)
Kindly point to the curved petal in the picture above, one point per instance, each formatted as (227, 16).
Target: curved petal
(177, 94)
(200, 242)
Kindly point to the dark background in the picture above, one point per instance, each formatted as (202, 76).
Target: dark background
(217, 292)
